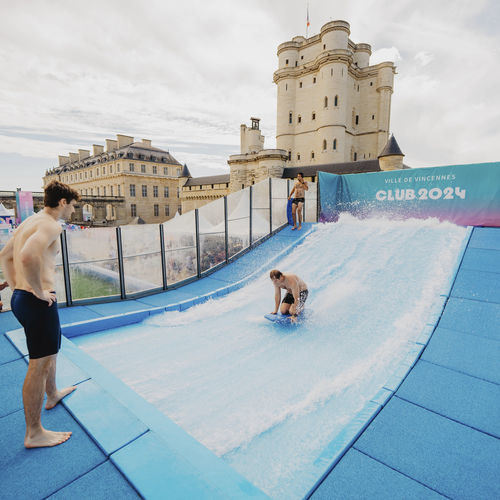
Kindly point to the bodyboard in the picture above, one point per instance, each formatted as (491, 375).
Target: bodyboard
(283, 319)
(289, 212)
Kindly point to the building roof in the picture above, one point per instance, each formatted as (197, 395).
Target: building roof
(351, 167)
(185, 172)
(210, 179)
(391, 148)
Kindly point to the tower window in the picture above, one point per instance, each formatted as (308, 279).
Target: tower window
(286, 62)
(336, 100)
(289, 155)
(357, 119)
(371, 84)
(302, 57)
(312, 155)
(314, 115)
(296, 63)
(289, 117)
(300, 85)
(331, 72)
(326, 102)
(286, 86)
(358, 88)
(324, 46)
(355, 156)
(334, 144)
(314, 79)
(373, 117)
(299, 119)
(324, 144)
(298, 156)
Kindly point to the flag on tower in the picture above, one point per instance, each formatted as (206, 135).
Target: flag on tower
(308, 23)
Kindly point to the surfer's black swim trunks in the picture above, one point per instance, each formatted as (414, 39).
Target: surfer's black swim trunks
(40, 322)
(302, 299)
(298, 200)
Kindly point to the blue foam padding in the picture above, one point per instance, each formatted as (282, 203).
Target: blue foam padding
(18, 339)
(472, 317)
(477, 285)
(443, 455)
(8, 322)
(466, 399)
(112, 308)
(37, 473)
(289, 212)
(76, 313)
(382, 397)
(202, 287)
(425, 335)
(7, 351)
(485, 237)
(166, 298)
(154, 467)
(11, 382)
(359, 476)
(102, 483)
(476, 356)
(67, 373)
(478, 259)
(89, 403)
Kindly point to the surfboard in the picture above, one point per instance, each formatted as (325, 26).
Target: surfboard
(289, 212)
(284, 319)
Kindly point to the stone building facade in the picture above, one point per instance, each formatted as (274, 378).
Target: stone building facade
(145, 181)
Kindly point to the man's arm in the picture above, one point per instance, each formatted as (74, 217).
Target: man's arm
(305, 185)
(277, 299)
(32, 254)
(7, 263)
(291, 192)
(296, 296)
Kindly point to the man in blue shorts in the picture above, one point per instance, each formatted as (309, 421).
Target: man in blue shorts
(28, 262)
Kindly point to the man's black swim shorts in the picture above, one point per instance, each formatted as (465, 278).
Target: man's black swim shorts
(298, 200)
(302, 299)
(40, 322)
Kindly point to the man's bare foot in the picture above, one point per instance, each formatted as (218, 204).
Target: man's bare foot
(299, 228)
(52, 401)
(46, 438)
(294, 228)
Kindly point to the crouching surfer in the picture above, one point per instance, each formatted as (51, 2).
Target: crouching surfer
(296, 296)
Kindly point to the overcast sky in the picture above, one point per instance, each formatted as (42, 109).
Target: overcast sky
(187, 73)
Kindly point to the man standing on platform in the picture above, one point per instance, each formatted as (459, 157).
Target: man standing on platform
(299, 189)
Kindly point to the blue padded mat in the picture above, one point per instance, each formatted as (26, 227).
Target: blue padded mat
(468, 354)
(485, 237)
(448, 457)
(102, 483)
(7, 351)
(8, 322)
(11, 381)
(49, 468)
(112, 308)
(472, 317)
(90, 402)
(166, 298)
(359, 476)
(75, 314)
(478, 259)
(477, 285)
(460, 397)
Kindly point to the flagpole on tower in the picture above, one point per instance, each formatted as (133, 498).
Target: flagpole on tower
(307, 23)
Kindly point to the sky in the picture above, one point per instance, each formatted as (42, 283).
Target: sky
(186, 74)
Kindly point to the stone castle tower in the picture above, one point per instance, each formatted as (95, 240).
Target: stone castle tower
(332, 105)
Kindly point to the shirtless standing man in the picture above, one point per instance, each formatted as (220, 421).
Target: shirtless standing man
(28, 262)
(296, 296)
(298, 202)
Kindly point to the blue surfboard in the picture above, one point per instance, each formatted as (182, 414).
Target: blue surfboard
(284, 319)
(289, 212)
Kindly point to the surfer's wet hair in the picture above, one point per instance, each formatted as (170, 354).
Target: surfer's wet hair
(275, 274)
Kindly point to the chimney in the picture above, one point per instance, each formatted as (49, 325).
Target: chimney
(111, 145)
(124, 140)
(83, 153)
(74, 157)
(63, 160)
(97, 149)
(146, 142)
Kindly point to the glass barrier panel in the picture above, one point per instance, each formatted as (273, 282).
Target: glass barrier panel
(310, 208)
(238, 221)
(260, 210)
(180, 247)
(212, 234)
(141, 257)
(93, 262)
(6, 293)
(279, 190)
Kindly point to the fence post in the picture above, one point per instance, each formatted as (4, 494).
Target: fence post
(318, 204)
(226, 236)
(119, 247)
(197, 232)
(270, 205)
(65, 263)
(250, 217)
(163, 260)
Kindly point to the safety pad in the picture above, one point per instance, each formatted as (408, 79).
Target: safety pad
(477, 285)
(462, 398)
(485, 237)
(478, 259)
(76, 313)
(89, 403)
(472, 317)
(102, 483)
(153, 465)
(11, 381)
(18, 339)
(443, 455)
(468, 354)
(39, 472)
(67, 373)
(112, 308)
(8, 322)
(166, 298)
(359, 476)
(7, 351)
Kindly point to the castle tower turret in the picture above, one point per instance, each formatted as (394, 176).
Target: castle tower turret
(391, 157)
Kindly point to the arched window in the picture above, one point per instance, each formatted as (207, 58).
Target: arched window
(289, 155)
(312, 155)
(355, 156)
(298, 156)
(299, 119)
(324, 144)
(290, 117)
(334, 144)
(326, 102)
(313, 116)
(336, 100)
